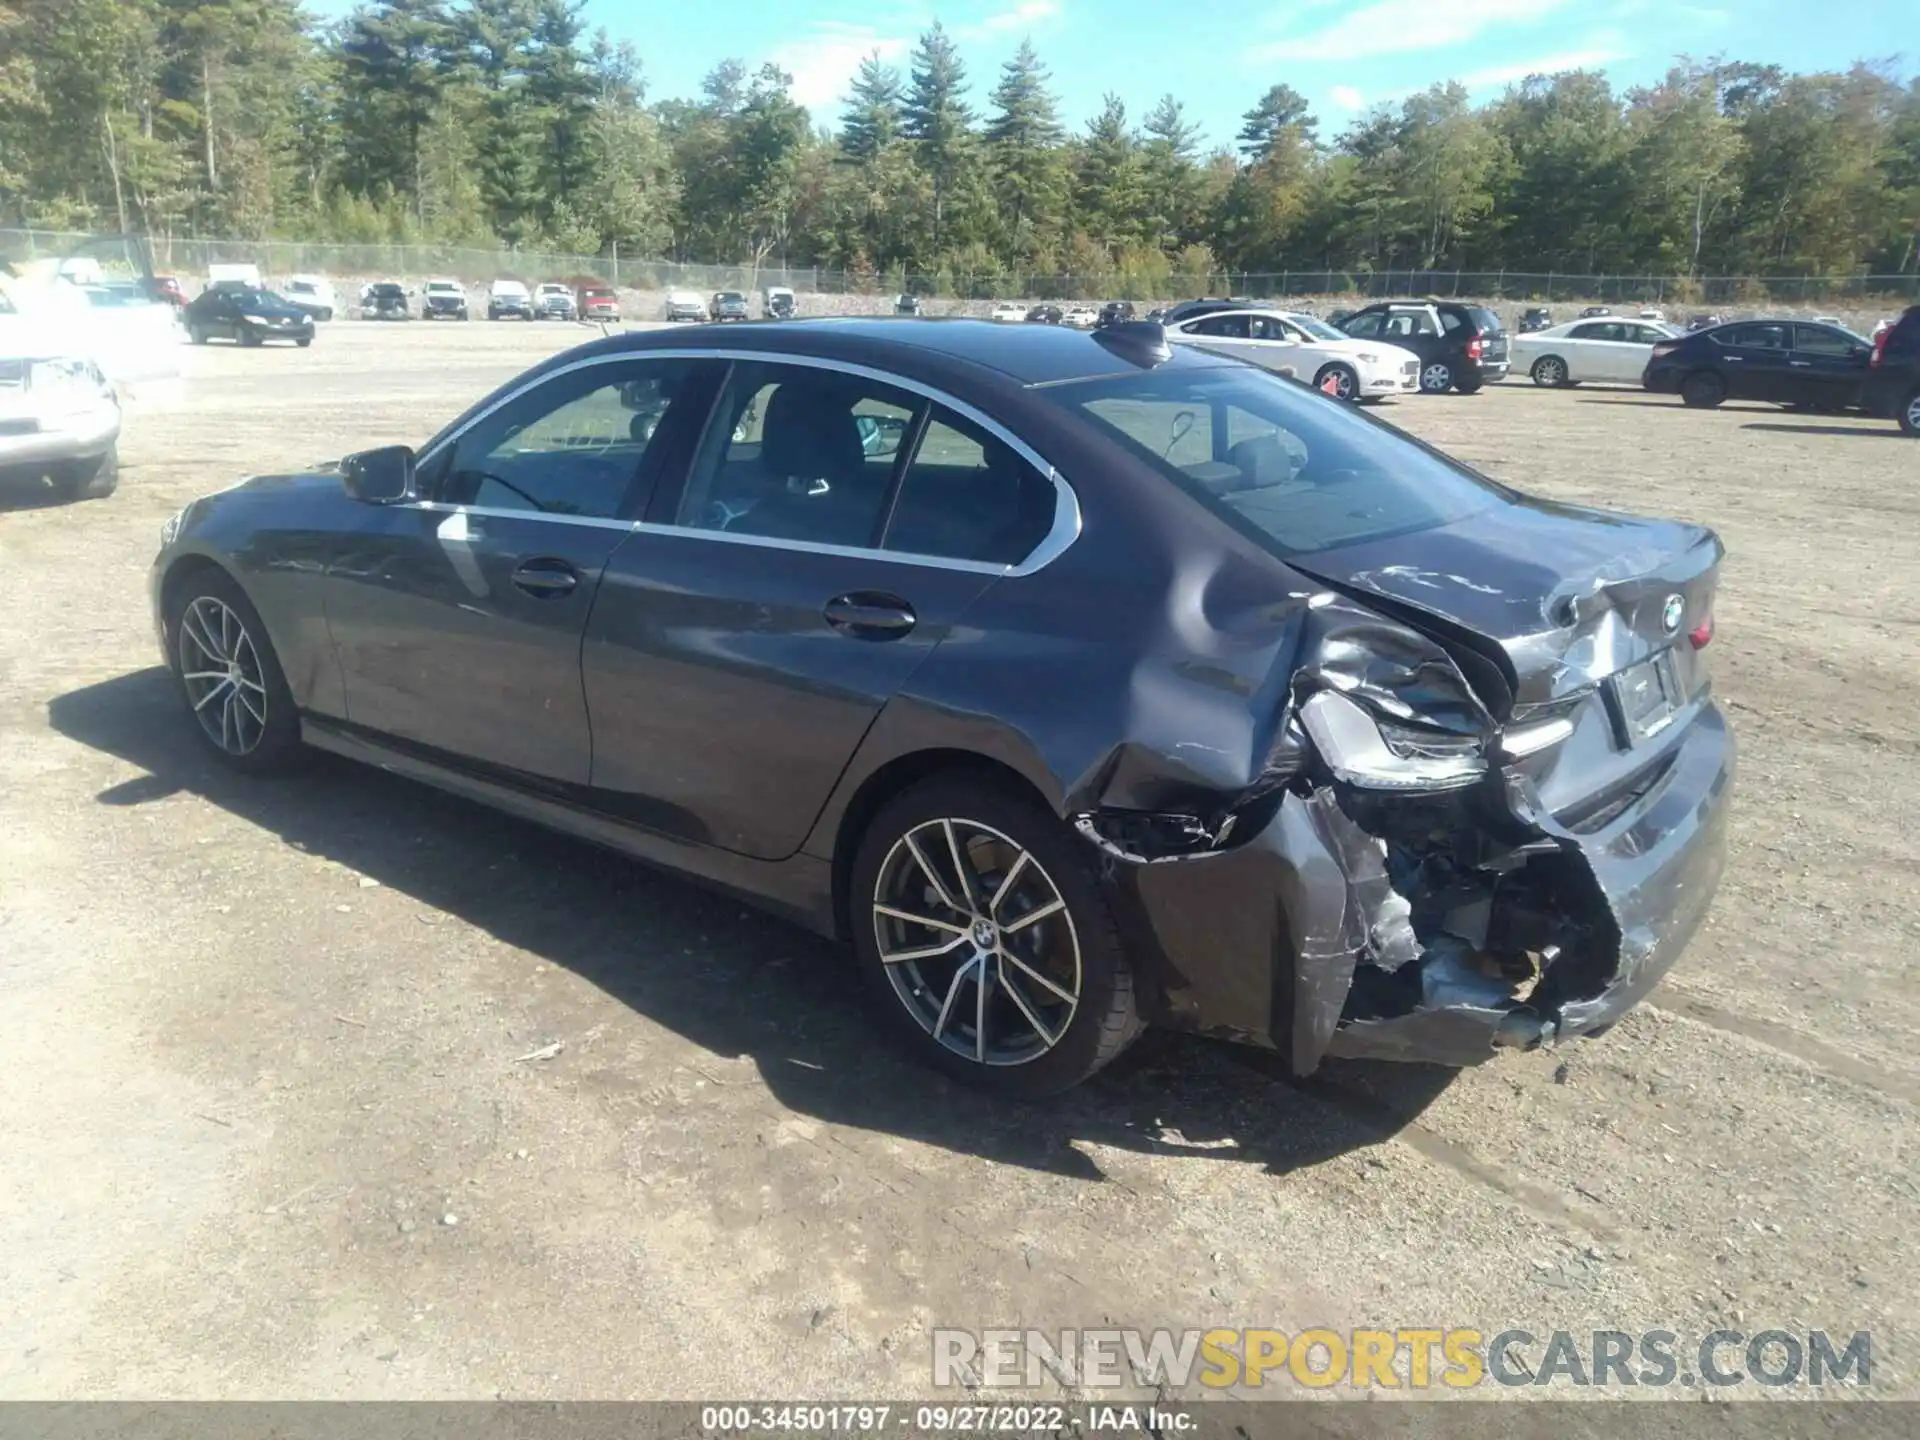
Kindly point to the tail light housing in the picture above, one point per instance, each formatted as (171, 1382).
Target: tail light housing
(1474, 347)
(1702, 634)
(1660, 352)
(1880, 348)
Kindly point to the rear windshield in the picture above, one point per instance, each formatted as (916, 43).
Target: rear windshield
(1484, 320)
(1295, 471)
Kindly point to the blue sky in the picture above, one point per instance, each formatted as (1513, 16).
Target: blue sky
(1219, 56)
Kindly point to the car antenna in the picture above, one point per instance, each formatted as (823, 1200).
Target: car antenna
(1144, 342)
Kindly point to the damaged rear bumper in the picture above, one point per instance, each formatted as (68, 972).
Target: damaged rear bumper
(1264, 942)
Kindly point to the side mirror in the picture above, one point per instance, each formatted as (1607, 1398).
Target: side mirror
(880, 435)
(379, 477)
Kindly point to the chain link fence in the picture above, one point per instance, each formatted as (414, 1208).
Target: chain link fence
(287, 257)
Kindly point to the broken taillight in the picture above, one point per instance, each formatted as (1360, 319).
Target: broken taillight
(1701, 634)
(1880, 348)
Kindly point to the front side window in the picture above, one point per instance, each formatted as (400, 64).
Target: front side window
(1411, 322)
(1268, 327)
(1295, 473)
(1818, 340)
(572, 446)
(1365, 327)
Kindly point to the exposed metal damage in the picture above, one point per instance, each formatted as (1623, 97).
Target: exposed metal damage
(1432, 907)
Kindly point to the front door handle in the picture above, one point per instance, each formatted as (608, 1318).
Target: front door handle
(1800, 364)
(870, 615)
(545, 578)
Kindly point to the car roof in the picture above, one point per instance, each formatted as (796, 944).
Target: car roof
(931, 349)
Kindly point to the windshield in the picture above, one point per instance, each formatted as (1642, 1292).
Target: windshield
(1296, 472)
(732, 297)
(1318, 328)
(389, 292)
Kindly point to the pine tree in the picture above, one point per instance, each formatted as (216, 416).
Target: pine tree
(871, 120)
(936, 116)
(1023, 138)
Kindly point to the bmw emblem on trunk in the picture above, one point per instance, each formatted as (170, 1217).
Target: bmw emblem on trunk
(1674, 611)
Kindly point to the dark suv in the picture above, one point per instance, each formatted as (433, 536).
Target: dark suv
(1893, 375)
(1461, 346)
(1187, 309)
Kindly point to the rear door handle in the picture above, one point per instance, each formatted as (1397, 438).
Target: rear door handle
(870, 615)
(545, 578)
(1800, 364)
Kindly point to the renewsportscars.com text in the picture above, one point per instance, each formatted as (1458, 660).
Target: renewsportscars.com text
(1407, 1358)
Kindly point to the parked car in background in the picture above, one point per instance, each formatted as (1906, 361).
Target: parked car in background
(1461, 346)
(59, 417)
(385, 300)
(1106, 603)
(1008, 313)
(1114, 312)
(777, 302)
(311, 293)
(1044, 315)
(1081, 317)
(598, 302)
(1594, 311)
(443, 299)
(1187, 309)
(1655, 314)
(1705, 321)
(728, 305)
(166, 290)
(509, 300)
(553, 300)
(1794, 363)
(907, 305)
(684, 305)
(1310, 350)
(1613, 351)
(249, 316)
(243, 273)
(1893, 373)
(1830, 320)
(1536, 317)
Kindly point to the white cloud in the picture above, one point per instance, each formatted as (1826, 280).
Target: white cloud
(1345, 97)
(1028, 12)
(1396, 26)
(823, 61)
(1545, 65)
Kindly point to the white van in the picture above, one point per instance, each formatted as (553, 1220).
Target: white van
(247, 275)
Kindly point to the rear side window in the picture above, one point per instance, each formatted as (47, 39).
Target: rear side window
(1484, 320)
(969, 496)
(1761, 336)
(1364, 327)
(1226, 327)
(1292, 470)
(1818, 340)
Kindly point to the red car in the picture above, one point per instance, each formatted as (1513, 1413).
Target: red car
(598, 303)
(166, 288)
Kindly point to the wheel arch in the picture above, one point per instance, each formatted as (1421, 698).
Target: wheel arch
(183, 569)
(896, 777)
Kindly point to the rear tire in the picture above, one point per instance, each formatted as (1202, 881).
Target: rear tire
(1056, 991)
(1703, 390)
(1909, 415)
(1550, 372)
(248, 720)
(1468, 387)
(90, 479)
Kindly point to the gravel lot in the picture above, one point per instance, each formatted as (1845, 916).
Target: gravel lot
(271, 1128)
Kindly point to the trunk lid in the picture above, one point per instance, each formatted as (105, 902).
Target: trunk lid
(1578, 615)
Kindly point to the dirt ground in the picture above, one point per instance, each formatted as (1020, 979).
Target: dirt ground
(270, 1127)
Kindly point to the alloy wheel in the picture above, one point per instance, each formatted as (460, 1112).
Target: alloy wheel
(1338, 382)
(1550, 372)
(220, 668)
(1436, 378)
(1913, 413)
(977, 941)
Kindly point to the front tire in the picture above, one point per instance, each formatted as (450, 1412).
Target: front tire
(1703, 390)
(1550, 372)
(1436, 377)
(986, 941)
(91, 479)
(228, 676)
(1339, 381)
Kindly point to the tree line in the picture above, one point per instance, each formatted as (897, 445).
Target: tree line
(504, 122)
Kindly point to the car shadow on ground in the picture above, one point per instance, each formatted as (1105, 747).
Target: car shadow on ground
(1674, 403)
(1882, 433)
(734, 981)
(29, 492)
